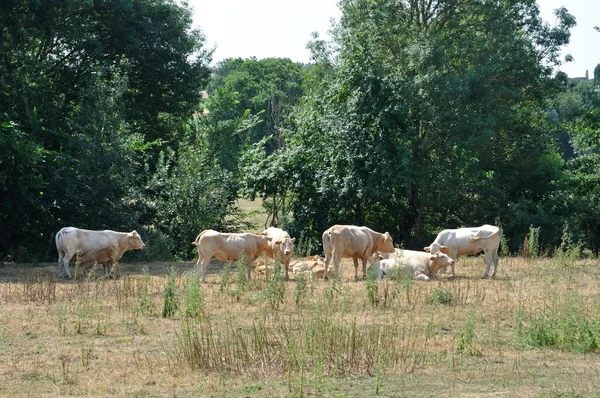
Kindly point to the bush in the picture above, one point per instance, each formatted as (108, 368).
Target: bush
(440, 296)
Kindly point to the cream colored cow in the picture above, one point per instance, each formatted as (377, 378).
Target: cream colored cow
(464, 241)
(341, 241)
(418, 265)
(228, 247)
(70, 240)
(282, 245)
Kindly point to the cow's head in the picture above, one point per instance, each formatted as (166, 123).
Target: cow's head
(435, 248)
(285, 245)
(387, 246)
(437, 262)
(135, 240)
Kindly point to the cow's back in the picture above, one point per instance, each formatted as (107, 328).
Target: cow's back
(77, 239)
(350, 240)
(225, 246)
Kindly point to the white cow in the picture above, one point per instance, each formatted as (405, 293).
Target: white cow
(228, 247)
(70, 240)
(419, 265)
(355, 242)
(314, 265)
(282, 245)
(464, 241)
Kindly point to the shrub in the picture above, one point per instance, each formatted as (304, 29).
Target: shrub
(171, 302)
(440, 296)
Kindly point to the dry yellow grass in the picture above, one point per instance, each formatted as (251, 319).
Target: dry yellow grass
(88, 338)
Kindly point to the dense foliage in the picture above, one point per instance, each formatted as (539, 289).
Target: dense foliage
(416, 116)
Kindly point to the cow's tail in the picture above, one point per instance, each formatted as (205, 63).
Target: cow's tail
(58, 240)
(195, 243)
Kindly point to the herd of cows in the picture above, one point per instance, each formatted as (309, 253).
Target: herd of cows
(107, 247)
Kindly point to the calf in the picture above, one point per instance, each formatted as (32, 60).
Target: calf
(314, 265)
(228, 247)
(419, 265)
(355, 242)
(462, 241)
(107, 257)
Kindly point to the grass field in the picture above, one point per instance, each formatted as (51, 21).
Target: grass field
(533, 331)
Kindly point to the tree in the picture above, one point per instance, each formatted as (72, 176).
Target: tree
(597, 73)
(431, 117)
(268, 87)
(90, 90)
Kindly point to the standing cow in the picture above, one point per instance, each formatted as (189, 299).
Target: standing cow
(464, 241)
(70, 240)
(282, 245)
(419, 265)
(228, 247)
(355, 242)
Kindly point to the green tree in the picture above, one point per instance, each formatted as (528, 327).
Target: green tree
(432, 116)
(89, 89)
(268, 87)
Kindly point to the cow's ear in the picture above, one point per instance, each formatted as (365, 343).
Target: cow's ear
(380, 257)
(293, 240)
(444, 249)
(427, 249)
(433, 258)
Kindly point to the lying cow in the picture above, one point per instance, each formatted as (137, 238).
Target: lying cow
(418, 265)
(355, 242)
(314, 265)
(107, 257)
(464, 241)
(70, 240)
(228, 247)
(282, 245)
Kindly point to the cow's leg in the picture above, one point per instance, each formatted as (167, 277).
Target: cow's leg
(495, 259)
(489, 259)
(249, 269)
(355, 261)
(364, 264)
(336, 262)
(286, 266)
(327, 260)
(421, 277)
(61, 256)
(204, 268)
(66, 259)
(453, 255)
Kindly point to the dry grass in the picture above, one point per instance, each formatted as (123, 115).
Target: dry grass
(89, 338)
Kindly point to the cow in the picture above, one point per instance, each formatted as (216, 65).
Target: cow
(418, 265)
(314, 265)
(282, 245)
(107, 257)
(70, 240)
(228, 247)
(355, 242)
(464, 241)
